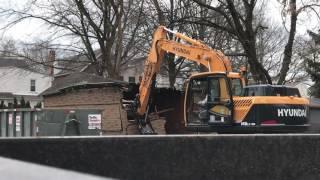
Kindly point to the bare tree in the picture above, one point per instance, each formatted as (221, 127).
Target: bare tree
(311, 55)
(166, 17)
(239, 22)
(8, 47)
(95, 25)
(270, 43)
(176, 15)
(290, 6)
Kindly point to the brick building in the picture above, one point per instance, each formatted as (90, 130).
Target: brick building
(84, 92)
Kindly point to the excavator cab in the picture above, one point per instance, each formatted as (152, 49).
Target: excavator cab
(208, 100)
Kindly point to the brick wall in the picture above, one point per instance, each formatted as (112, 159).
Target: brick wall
(84, 97)
(114, 119)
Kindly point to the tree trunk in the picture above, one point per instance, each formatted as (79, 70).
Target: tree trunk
(118, 52)
(201, 37)
(288, 48)
(161, 17)
(259, 73)
(106, 62)
(172, 69)
(247, 37)
(169, 58)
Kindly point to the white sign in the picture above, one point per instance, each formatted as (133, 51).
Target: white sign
(18, 123)
(10, 119)
(94, 121)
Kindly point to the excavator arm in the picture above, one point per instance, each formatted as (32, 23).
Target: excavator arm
(191, 49)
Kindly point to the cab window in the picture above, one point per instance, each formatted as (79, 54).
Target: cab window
(206, 95)
(236, 87)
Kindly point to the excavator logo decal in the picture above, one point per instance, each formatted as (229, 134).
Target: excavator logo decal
(292, 113)
(181, 50)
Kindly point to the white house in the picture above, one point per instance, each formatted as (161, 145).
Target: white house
(132, 71)
(20, 79)
(303, 87)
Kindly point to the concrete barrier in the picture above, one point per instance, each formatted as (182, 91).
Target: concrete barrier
(176, 157)
(314, 119)
(314, 115)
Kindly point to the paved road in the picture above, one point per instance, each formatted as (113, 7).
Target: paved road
(17, 170)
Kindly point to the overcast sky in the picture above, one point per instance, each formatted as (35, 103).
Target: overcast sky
(29, 30)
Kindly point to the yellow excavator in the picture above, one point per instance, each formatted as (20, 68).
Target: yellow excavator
(212, 100)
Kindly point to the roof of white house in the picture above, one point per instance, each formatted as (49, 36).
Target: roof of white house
(23, 63)
(79, 79)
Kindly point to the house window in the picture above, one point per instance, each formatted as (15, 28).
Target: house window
(132, 79)
(33, 85)
(121, 78)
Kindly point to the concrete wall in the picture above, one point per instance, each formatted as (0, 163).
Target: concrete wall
(314, 119)
(314, 115)
(177, 157)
